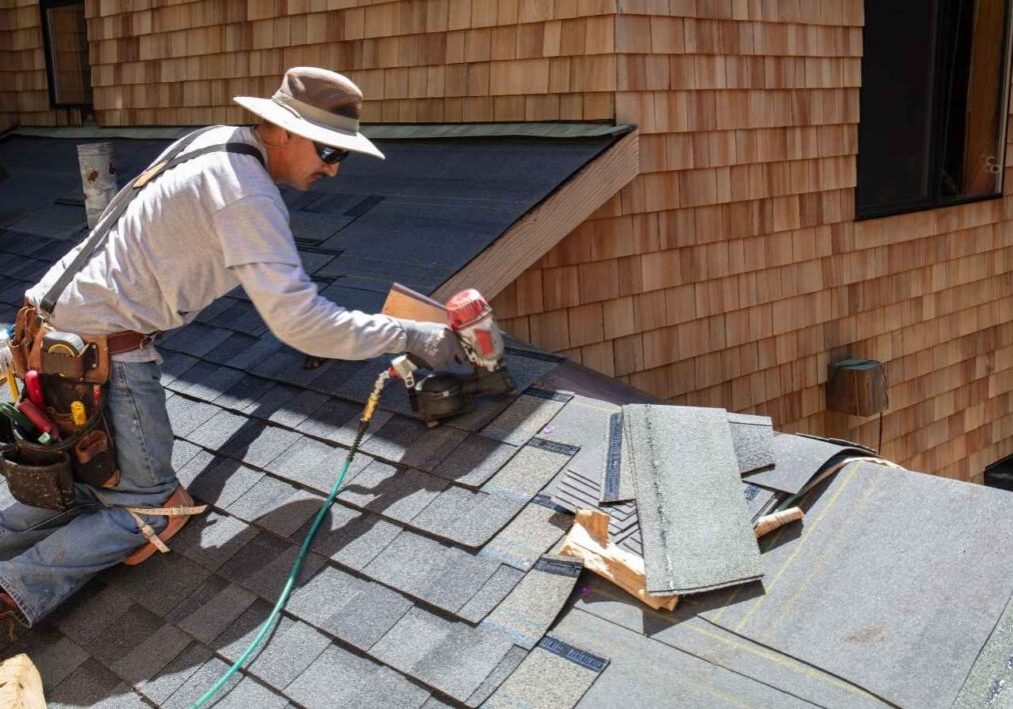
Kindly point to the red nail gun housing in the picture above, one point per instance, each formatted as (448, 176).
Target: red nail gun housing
(446, 394)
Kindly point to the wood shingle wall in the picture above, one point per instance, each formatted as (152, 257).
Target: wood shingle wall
(416, 61)
(729, 273)
(24, 96)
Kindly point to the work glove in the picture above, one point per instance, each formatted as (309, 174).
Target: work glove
(435, 346)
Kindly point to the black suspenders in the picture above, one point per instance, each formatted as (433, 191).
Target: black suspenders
(122, 200)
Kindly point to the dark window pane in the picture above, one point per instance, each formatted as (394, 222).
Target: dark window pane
(974, 101)
(68, 48)
(895, 132)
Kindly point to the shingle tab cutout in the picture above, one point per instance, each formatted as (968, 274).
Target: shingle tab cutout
(535, 602)
(696, 528)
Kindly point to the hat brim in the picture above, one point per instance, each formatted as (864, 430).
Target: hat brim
(280, 116)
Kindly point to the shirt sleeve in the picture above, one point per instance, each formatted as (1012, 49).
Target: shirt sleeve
(288, 302)
(255, 229)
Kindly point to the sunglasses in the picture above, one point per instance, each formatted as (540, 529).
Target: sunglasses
(329, 155)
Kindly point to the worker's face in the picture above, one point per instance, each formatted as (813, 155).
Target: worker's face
(299, 166)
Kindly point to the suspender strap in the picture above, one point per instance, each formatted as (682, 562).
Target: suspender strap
(118, 207)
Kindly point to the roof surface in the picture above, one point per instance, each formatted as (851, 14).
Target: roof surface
(431, 582)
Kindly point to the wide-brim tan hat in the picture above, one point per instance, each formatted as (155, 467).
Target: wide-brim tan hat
(318, 104)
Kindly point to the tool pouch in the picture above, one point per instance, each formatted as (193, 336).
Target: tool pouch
(39, 479)
(90, 446)
(91, 366)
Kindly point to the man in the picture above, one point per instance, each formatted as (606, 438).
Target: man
(191, 234)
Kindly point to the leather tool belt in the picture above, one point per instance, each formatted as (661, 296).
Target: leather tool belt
(43, 475)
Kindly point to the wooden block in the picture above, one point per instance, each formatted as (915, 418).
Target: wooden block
(21, 684)
(588, 540)
(403, 302)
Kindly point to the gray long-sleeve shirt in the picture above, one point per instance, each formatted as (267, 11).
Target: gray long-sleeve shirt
(193, 235)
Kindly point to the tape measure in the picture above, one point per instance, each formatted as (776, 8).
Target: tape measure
(63, 343)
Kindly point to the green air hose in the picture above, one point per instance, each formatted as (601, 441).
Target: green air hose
(367, 415)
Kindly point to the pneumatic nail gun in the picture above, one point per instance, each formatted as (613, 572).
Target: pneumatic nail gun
(441, 395)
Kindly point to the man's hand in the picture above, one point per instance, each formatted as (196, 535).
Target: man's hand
(435, 346)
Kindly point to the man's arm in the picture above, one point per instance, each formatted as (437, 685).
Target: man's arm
(288, 302)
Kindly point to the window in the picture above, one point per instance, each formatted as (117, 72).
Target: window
(934, 104)
(65, 36)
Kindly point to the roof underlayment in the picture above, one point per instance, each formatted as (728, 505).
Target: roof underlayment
(432, 581)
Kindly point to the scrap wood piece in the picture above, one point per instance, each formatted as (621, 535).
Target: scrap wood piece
(403, 302)
(776, 520)
(588, 540)
(20, 684)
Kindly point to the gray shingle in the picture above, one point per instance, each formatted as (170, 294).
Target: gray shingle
(543, 679)
(399, 494)
(525, 417)
(206, 380)
(140, 647)
(234, 350)
(210, 609)
(88, 612)
(160, 583)
(244, 394)
(249, 693)
(356, 610)
(287, 405)
(195, 339)
(503, 670)
(240, 316)
(214, 433)
(182, 453)
(221, 481)
(694, 521)
(527, 473)
(528, 536)
(452, 657)
(186, 415)
(351, 537)
(162, 685)
(254, 352)
(199, 681)
(260, 444)
(340, 678)
(491, 594)
(752, 437)
(583, 422)
(437, 573)
(54, 655)
(476, 460)
(212, 539)
(531, 607)
(315, 464)
(467, 517)
(276, 505)
(264, 564)
(335, 421)
(91, 684)
(411, 443)
(293, 647)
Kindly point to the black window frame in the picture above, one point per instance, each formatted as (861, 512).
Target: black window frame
(937, 136)
(44, 7)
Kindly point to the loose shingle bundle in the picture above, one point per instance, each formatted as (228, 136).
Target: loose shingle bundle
(696, 527)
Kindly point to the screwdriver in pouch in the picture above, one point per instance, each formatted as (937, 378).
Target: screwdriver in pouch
(21, 422)
(42, 422)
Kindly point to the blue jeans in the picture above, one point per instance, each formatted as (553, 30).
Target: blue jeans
(45, 556)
